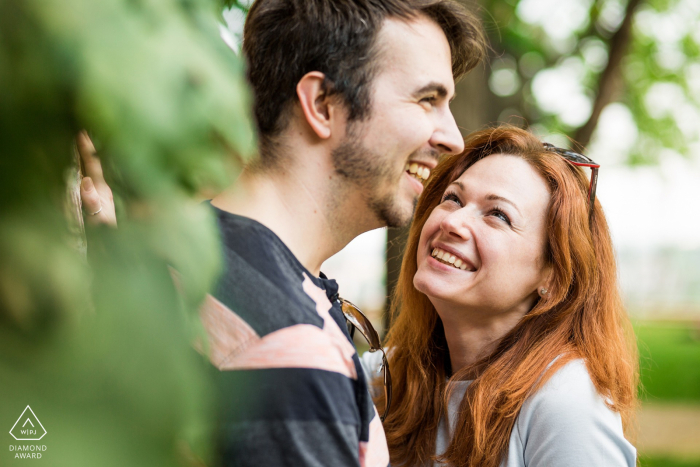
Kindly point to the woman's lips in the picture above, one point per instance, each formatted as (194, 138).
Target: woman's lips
(451, 256)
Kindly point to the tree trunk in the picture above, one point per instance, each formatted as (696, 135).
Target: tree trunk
(610, 80)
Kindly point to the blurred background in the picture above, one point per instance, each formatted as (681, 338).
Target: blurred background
(620, 81)
(90, 330)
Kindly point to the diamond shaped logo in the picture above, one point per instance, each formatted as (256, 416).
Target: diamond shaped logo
(28, 427)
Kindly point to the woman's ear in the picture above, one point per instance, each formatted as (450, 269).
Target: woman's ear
(544, 289)
(316, 104)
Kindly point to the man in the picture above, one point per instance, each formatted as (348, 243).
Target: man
(352, 109)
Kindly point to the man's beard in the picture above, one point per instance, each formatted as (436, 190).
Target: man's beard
(370, 172)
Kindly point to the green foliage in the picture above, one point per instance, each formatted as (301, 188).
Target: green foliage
(664, 49)
(669, 362)
(102, 349)
(243, 5)
(659, 64)
(668, 462)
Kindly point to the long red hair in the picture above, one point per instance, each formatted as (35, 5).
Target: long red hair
(581, 317)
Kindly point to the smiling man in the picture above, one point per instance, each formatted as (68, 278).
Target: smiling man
(352, 111)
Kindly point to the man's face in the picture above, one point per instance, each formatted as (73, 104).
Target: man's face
(410, 122)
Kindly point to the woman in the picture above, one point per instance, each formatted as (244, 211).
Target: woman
(510, 346)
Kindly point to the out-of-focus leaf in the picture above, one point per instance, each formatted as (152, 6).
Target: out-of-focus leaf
(102, 349)
(662, 30)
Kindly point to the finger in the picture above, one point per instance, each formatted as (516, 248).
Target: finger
(90, 197)
(92, 164)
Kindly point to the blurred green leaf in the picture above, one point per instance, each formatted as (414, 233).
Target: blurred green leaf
(102, 349)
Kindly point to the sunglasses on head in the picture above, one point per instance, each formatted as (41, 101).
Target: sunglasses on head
(579, 160)
(359, 321)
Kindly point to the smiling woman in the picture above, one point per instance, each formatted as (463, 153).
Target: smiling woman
(510, 346)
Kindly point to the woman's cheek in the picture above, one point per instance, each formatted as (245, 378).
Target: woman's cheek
(432, 225)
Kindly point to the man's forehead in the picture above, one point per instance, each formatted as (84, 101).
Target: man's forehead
(416, 50)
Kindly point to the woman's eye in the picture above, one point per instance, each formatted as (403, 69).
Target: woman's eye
(451, 197)
(500, 215)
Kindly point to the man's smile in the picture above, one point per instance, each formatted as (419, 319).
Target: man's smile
(418, 170)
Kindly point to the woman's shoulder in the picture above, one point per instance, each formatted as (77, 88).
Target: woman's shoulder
(372, 364)
(567, 396)
(571, 382)
(567, 422)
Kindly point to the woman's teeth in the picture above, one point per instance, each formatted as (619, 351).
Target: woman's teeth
(420, 172)
(448, 258)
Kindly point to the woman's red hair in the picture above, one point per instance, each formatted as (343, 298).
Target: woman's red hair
(581, 317)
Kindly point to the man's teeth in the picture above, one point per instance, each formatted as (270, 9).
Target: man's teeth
(421, 172)
(448, 258)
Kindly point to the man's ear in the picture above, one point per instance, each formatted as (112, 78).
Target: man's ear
(316, 104)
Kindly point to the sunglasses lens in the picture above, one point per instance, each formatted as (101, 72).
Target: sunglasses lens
(571, 155)
(387, 386)
(575, 157)
(362, 323)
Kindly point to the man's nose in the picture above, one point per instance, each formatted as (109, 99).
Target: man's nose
(447, 139)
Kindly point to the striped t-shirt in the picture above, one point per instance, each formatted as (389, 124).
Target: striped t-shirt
(291, 388)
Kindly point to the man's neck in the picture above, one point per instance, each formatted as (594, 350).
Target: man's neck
(301, 211)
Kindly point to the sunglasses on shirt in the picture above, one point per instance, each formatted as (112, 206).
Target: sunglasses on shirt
(359, 321)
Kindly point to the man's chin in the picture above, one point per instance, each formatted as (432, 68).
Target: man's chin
(395, 214)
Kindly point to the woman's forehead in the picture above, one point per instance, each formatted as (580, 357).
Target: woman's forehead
(507, 176)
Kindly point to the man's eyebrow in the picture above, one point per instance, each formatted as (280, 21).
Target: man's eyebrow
(440, 89)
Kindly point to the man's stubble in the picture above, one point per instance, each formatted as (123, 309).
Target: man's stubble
(371, 173)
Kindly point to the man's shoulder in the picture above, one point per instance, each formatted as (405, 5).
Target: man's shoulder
(262, 281)
(247, 243)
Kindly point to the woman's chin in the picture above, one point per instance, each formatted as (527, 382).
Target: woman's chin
(430, 286)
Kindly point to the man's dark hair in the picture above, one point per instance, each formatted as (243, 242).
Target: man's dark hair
(285, 39)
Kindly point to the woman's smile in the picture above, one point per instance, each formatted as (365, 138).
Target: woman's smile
(451, 257)
(491, 220)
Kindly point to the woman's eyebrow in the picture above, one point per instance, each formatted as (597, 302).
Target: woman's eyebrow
(493, 197)
(459, 184)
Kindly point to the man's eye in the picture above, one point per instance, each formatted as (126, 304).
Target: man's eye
(429, 99)
(451, 197)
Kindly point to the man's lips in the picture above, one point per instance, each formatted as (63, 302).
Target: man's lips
(417, 170)
(417, 185)
(430, 163)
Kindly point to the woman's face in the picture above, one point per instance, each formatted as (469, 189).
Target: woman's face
(482, 248)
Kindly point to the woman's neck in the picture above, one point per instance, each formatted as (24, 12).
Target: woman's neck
(470, 337)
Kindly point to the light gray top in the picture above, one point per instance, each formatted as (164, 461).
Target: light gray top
(564, 424)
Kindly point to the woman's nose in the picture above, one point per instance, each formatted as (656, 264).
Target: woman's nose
(456, 225)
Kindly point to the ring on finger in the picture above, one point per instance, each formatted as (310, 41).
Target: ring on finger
(95, 213)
